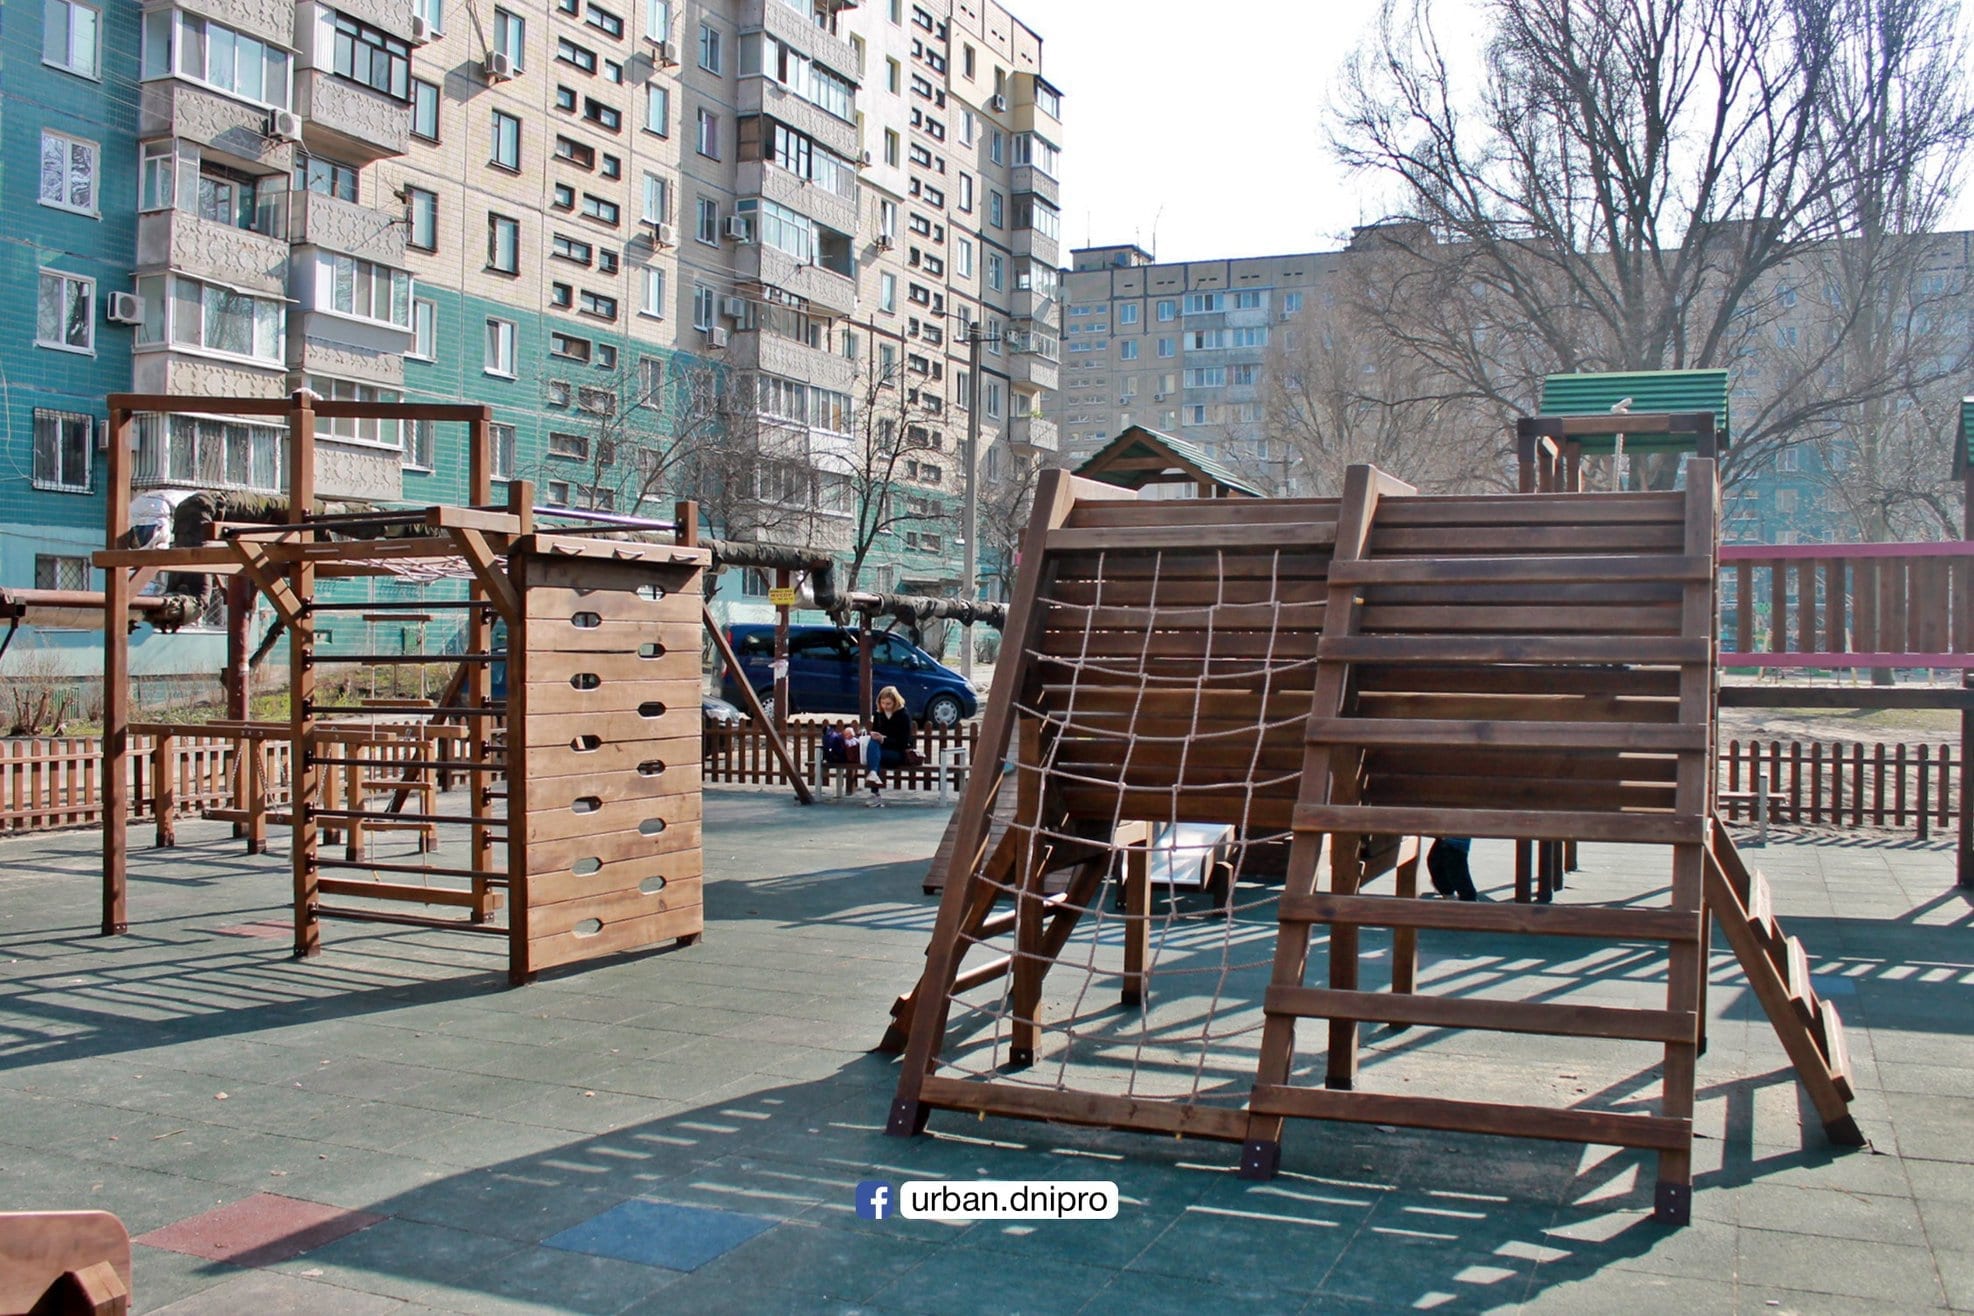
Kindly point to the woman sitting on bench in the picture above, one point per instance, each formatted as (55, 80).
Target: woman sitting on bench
(889, 744)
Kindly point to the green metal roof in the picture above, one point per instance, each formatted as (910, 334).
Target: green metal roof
(1963, 455)
(1140, 441)
(1649, 391)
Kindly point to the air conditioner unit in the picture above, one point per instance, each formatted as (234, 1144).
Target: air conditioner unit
(422, 30)
(285, 124)
(886, 242)
(668, 54)
(867, 159)
(733, 308)
(998, 104)
(125, 308)
(719, 336)
(736, 228)
(662, 234)
(499, 67)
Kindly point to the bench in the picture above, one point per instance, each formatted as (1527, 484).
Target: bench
(949, 773)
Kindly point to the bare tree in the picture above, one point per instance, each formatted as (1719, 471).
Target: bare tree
(901, 449)
(1007, 495)
(1634, 179)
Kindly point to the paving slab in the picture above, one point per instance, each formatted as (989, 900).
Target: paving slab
(396, 1078)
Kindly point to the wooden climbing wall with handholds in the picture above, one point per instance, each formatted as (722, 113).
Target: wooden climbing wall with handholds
(604, 783)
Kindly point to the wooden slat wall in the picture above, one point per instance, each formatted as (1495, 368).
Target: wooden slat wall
(1901, 600)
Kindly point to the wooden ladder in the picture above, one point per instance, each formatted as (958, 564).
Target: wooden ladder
(1778, 970)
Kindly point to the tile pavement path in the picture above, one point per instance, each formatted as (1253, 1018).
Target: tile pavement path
(682, 1131)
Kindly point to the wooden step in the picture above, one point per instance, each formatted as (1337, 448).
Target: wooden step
(1830, 1036)
(1761, 917)
(1802, 992)
(1519, 570)
(1300, 536)
(1470, 650)
(1612, 923)
(1562, 1019)
(1604, 1127)
(1513, 824)
(1641, 737)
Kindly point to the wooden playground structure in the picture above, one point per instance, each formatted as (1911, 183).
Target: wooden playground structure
(581, 835)
(1336, 678)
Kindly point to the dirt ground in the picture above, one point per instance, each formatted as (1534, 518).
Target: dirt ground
(1910, 725)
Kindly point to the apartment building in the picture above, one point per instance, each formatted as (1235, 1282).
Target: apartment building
(593, 216)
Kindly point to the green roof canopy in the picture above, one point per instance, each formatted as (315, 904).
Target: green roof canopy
(1653, 392)
(1140, 456)
(1963, 452)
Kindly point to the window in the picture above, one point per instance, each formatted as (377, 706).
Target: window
(359, 288)
(68, 173)
(887, 220)
(563, 198)
(212, 318)
(610, 166)
(653, 304)
(1250, 300)
(1128, 313)
(709, 221)
(565, 99)
(601, 210)
(1165, 347)
(510, 37)
(58, 572)
(371, 58)
(568, 52)
(607, 117)
(709, 134)
(1038, 152)
(500, 348)
(658, 20)
(709, 48)
(424, 329)
(658, 109)
(419, 444)
(1291, 303)
(62, 445)
(503, 244)
(598, 305)
(70, 37)
(572, 446)
(1167, 311)
(997, 271)
(963, 258)
(423, 209)
(1127, 349)
(327, 177)
(891, 146)
(571, 346)
(506, 141)
(62, 312)
(178, 44)
(501, 439)
(1199, 303)
(966, 192)
(604, 21)
(569, 249)
(562, 295)
(894, 77)
(571, 151)
(705, 305)
(424, 110)
(432, 11)
(887, 292)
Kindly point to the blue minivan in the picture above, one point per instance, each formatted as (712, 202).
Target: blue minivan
(822, 673)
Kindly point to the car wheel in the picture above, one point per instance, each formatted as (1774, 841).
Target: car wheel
(943, 711)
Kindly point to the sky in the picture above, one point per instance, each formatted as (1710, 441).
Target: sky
(1198, 140)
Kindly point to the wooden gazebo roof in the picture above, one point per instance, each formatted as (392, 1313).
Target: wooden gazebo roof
(1139, 456)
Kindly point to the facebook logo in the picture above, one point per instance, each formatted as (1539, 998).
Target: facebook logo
(874, 1200)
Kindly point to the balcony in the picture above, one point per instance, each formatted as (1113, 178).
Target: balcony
(348, 121)
(321, 343)
(1029, 372)
(785, 24)
(357, 470)
(1034, 434)
(178, 240)
(183, 372)
(753, 349)
(316, 220)
(1033, 244)
(1027, 178)
(392, 16)
(176, 109)
(825, 290)
(763, 95)
(772, 183)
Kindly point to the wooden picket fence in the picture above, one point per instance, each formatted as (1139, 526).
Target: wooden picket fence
(1845, 785)
(49, 782)
(740, 754)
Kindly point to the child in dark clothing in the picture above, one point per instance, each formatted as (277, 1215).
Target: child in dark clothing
(1446, 862)
(889, 744)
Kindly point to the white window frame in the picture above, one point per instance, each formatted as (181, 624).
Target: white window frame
(711, 57)
(658, 110)
(424, 329)
(67, 56)
(500, 345)
(62, 282)
(652, 293)
(510, 36)
(68, 146)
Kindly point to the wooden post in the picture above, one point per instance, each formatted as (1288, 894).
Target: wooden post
(116, 681)
(1031, 913)
(1137, 919)
(164, 787)
(302, 777)
(240, 599)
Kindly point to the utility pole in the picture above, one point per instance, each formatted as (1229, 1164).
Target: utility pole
(976, 335)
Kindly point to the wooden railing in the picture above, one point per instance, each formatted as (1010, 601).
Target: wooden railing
(49, 782)
(740, 754)
(1848, 605)
(1844, 785)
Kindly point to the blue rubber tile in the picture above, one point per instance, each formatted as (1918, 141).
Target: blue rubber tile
(661, 1234)
(1833, 984)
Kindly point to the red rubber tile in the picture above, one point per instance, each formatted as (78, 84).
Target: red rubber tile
(258, 1230)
